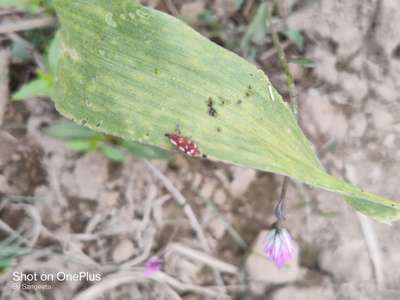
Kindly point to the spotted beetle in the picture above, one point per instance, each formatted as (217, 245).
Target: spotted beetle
(184, 144)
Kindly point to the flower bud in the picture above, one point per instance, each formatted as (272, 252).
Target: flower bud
(279, 246)
(153, 265)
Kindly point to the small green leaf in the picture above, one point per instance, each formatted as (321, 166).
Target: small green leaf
(31, 6)
(113, 153)
(48, 77)
(54, 51)
(34, 88)
(10, 248)
(305, 62)
(4, 264)
(146, 151)
(25, 5)
(79, 145)
(257, 29)
(20, 50)
(296, 37)
(70, 131)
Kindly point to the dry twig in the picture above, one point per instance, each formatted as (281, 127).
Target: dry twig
(188, 212)
(374, 250)
(171, 7)
(116, 280)
(271, 52)
(27, 24)
(4, 92)
(13, 234)
(185, 287)
(202, 257)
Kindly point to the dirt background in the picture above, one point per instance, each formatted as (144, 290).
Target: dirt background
(90, 214)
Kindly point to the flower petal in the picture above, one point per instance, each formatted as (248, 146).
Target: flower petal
(279, 246)
(153, 265)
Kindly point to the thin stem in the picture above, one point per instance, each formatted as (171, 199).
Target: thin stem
(280, 207)
(283, 62)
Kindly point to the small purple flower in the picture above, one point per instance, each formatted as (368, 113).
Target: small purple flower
(279, 246)
(152, 266)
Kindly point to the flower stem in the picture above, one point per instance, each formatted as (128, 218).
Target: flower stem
(283, 62)
(280, 207)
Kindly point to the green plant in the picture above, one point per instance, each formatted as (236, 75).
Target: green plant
(42, 86)
(32, 6)
(256, 31)
(82, 139)
(139, 73)
(305, 62)
(9, 249)
(296, 37)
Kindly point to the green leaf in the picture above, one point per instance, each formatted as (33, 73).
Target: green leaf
(9, 249)
(146, 151)
(34, 88)
(305, 62)
(79, 145)
(32, 6)
(20, 50)
(53, 54)
(138, 73)
(296, 37)
(113, 153)
(48, 77)
(70, 131)
(257, 29)
(4, 264)
(27, 5)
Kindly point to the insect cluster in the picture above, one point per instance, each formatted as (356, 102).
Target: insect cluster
(211, 110)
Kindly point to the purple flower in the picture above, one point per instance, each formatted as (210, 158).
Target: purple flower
(279, 246)
(153, 265)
